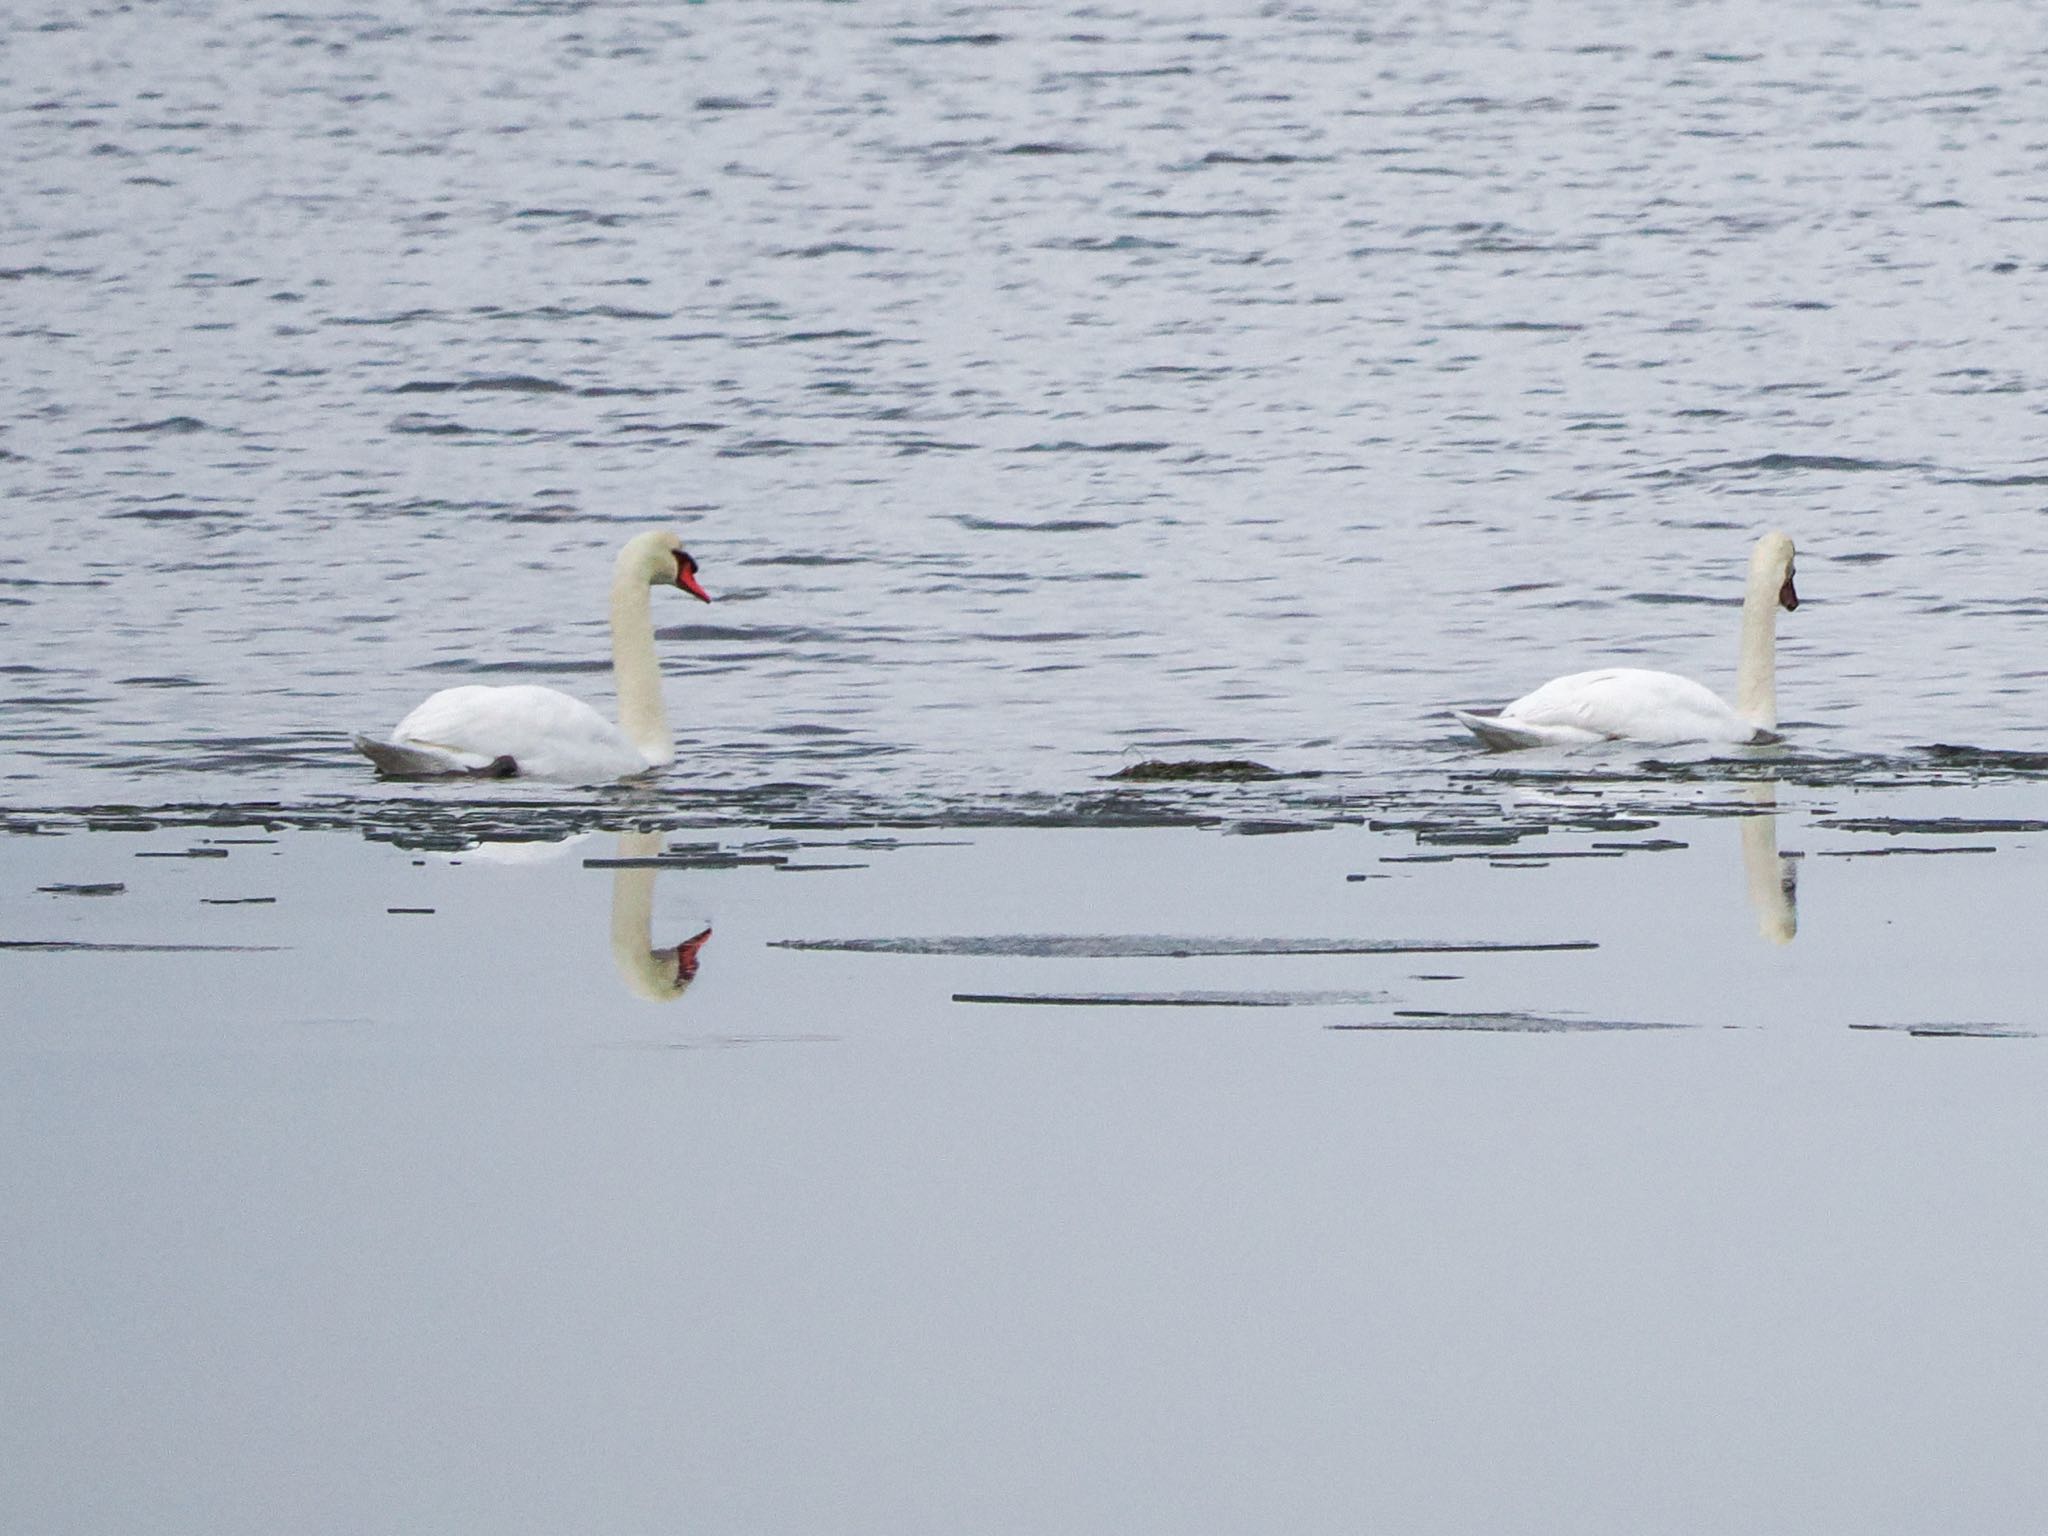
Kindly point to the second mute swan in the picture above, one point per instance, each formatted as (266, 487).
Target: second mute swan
(1630, 704)
(540, 732)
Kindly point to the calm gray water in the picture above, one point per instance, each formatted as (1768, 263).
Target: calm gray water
(417, 1215)
(1039, 388)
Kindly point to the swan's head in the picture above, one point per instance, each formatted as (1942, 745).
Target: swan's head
(658, 556)
(663, 975)
(1771, 565)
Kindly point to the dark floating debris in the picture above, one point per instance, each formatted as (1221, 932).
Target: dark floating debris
(1988, 757)
(238, 901)
(1498, 1023)
(1532, 858)
(1493, 806)
(1965, 826)
(1885, 853)
(175, 425)
(182, 853)
(1442, 833)
(1935, 765)
(1543, 855)
(100, 888)
(1952, 1031)
(1171, 999)
(1111, 946)
(714, 858)
(1232, 769)
(410, 911)
(65, 946)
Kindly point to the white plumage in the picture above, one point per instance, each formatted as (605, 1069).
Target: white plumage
(1615, 704)
(1661, 708)
(543, 733)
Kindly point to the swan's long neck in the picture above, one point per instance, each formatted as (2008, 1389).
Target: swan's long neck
(635, 672)
(1756, 672)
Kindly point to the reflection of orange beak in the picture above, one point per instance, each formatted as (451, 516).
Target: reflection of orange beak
(686, 952)
(687, 580)
(1788, 599)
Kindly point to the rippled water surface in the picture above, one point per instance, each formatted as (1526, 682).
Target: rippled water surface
(1039, 388)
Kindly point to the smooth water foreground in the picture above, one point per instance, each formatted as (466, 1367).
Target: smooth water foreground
(1669, 1175)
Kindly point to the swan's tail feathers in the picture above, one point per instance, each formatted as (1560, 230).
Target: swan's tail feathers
(1500, 735)
(404, 760)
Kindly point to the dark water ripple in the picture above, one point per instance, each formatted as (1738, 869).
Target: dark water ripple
(1033, 390)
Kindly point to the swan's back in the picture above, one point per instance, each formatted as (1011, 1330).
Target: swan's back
(1631, 703)
(546, 733)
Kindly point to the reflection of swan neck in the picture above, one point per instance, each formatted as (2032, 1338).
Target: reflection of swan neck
(1772, 880)
(651, 975)
(636, 673)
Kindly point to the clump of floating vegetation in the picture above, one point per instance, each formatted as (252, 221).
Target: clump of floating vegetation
(1236, 769)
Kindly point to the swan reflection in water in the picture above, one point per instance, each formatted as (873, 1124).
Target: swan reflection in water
(1773, 878)
(659, 975)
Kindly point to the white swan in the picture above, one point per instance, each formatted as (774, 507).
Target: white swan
(538, 732)
(1630, 704)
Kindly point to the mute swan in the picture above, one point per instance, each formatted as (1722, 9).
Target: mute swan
(1630, 704)
(539, 732)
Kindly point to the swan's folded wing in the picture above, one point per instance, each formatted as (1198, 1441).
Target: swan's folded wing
(1631, 704)
(483, 721)
(546, 733)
